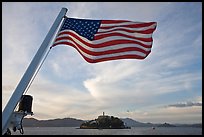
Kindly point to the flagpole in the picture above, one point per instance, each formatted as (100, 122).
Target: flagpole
(25, 80)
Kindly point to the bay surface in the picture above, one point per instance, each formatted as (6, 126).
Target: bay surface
(132, 131)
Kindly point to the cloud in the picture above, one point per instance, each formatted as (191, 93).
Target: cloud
(137, 79)
(186, 104)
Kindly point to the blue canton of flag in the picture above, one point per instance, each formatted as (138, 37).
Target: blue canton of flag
(85, 28)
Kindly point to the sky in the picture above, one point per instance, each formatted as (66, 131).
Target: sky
(164, 87)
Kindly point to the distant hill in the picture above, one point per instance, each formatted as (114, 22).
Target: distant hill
(65, 122)
(132, 123)
(72, 122)
(166, 125)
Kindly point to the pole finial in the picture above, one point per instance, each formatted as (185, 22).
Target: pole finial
(63, 8)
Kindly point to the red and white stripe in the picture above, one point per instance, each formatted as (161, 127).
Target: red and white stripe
(115, 39)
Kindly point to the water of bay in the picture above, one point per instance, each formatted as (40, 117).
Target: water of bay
(132, 131)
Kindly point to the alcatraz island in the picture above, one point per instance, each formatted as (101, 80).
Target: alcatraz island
(104, 122)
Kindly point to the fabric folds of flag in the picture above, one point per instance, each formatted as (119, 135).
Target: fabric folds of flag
(104, 40)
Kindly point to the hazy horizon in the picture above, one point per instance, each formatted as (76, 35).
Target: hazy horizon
(109, 115)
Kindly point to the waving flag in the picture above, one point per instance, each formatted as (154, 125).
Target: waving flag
(103, 40)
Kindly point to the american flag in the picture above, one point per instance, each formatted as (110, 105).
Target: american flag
(104, 40)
